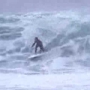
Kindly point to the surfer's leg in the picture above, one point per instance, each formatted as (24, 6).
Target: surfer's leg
(41, 48)
(36, 48)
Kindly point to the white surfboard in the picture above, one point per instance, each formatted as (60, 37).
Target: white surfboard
(35, 56)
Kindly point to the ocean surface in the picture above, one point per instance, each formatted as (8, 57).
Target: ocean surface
(64, 65)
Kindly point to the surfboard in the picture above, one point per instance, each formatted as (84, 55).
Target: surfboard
(35, 56)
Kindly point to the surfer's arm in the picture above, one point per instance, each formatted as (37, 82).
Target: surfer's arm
(33, 44)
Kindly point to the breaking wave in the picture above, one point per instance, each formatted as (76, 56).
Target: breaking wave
(66, 37)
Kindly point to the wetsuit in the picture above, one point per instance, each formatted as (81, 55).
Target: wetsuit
(38, 44)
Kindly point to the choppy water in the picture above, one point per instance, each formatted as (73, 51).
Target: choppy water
(66, 36)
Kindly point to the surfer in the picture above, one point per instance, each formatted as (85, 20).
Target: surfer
(38, 44)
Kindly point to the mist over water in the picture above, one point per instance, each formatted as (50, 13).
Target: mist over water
(65, 35)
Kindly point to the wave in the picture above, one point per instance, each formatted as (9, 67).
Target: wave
(64, 34)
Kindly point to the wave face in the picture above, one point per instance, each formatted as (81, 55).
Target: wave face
(66, 36)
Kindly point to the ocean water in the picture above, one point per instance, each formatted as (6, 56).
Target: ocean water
(66, 37)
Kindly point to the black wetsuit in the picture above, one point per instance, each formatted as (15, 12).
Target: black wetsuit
(38, 44)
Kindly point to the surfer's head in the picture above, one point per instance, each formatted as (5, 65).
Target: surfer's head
(36, 38)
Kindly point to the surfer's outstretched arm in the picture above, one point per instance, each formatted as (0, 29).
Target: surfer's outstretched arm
(33, 44)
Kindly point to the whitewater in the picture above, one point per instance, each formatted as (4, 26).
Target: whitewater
(66, 63)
